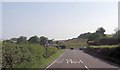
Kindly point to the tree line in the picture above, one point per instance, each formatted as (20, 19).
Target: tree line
(33, 40)
(18, 52)
(100, 38)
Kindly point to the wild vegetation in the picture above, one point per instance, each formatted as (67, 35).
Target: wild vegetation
(96, 39)
(33, 52)
(103, 45)
(23, 53)
(100, 38)
(110, 53)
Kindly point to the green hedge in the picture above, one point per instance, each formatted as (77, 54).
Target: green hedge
(16, 54)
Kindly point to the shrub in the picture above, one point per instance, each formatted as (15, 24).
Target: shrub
(15, 54)
(49, 51)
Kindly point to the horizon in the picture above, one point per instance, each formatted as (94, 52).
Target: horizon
(59, 21)
(45, 36)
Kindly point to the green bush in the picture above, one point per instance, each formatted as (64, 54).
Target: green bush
(49, 51)
(16, 54)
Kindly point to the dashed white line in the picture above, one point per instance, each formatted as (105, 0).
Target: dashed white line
(86, 67)
(81, 61)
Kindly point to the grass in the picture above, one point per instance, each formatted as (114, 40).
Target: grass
(47, 61)
(41, 63)
(76, 43)
(105, 46)
(75, 46)
(109, 35)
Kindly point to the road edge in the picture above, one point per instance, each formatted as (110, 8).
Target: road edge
(55, 60)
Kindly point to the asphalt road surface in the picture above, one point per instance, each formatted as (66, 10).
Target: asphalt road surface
(77, 59)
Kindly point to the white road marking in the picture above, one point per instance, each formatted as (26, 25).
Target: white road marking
(86, 67)
(55, 60)
(73, 61)
(81, 61)
(69, 60)
(60, 61)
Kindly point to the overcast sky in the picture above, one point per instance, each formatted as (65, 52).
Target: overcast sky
(57, 20)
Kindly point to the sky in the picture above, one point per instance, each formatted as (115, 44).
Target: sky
(57, 20)
(59, 0)
(0, 20)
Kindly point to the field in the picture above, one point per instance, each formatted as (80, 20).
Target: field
(76, 43)
(109, 35)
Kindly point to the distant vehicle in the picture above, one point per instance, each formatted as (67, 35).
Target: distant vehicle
(72, 48)
(82, 48)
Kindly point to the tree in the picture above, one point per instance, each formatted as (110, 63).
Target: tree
(22, 39)
(33, 39)
(99, 33)
(100, 30)
(8, 41)
(14, 40)
(85, 35)
(117, 34)
(43, 40)
(50, 41)
(57, 42)
(91, 37)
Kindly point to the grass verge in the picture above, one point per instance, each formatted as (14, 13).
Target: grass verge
(48, 61)
(104, 46)
(41, 63)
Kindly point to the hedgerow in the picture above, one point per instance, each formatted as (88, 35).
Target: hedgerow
(14, 54)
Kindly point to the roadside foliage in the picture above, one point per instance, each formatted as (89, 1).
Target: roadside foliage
(16, 54)
(111, 53)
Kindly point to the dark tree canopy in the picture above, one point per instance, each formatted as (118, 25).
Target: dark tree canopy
(14, 39)
(50, 41)
(85, 35)
(33, 39)
(117, 34)
(100, 30)
(93, 36)
(43, 40)
(22, 39)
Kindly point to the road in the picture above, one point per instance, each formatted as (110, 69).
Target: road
(76, 59)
